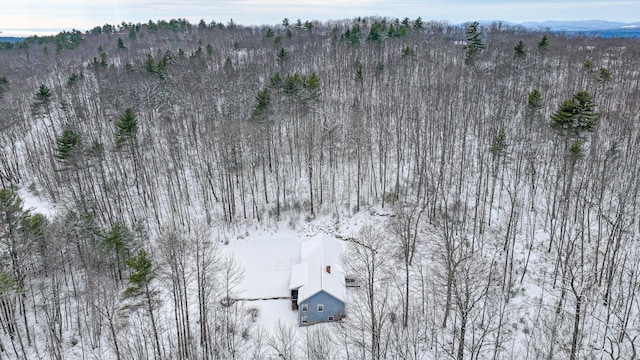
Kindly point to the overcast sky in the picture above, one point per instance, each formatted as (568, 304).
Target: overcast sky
(27, 17)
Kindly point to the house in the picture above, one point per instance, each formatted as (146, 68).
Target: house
(317, 283)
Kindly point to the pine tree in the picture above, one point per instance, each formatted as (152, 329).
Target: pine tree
(126, 128)
(353, 35)
(358, 75)
(474, 43)
(418, 24)
(67, 145)
(604, 74)
(282, 55)
(575, 116)
(150, 64)
(519, 51)
(543, 44)
(263, 99)
(116, 244)
(42, 99)
(312, 89)
(269, 33)
(73, 78)
(408, 51)
(141, 291)
(308, 25)
(534, 100)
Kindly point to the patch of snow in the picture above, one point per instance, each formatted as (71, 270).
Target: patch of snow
(37, 204)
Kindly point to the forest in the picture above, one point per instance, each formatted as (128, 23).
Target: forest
(496, 170)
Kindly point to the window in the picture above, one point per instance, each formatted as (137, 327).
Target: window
(320, 308)
(303, 319)
(330, 318)
(305, 307)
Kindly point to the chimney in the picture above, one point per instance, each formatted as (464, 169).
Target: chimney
(329, 269)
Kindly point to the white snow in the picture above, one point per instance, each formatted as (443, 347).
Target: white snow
(321, 255)
(37, 204)
(267, 261)
(268, 257)
(299, 275)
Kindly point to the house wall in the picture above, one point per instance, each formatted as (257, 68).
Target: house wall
(331, 307)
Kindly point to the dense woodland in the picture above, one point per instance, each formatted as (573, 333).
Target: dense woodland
(498, 166)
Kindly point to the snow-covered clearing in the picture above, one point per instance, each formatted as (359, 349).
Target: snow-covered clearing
(266, 256)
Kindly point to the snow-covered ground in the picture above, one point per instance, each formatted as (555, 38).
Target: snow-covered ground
(267, 261)
(37, 203)
(266, 257)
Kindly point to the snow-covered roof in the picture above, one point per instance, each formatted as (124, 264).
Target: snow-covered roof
(299, 274)
(310, 276)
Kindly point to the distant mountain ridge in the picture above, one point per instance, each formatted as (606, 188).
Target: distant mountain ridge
(584, 25)
(597, 28)
(10, 39)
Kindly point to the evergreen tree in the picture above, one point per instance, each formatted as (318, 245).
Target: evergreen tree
(408, 51)
(121, 44)
(67, 145)
(534, 100)
(141, 292)
(263, 99)
(418, 24)
(150, 64)
(140, 277)
(543, 44)
(282, 55)
(73, 78)
(575, 116)
(127, 128)
(604, 74)
(42, 99)
(7, 285)
(292, 84)
(376, 33)
(276, 81)
(474, 43)
(269, 33)
(534, 105)
(358, 75)
(116, 244)
(499, 144)
(519, 51)
(353, 35)
(103, 58)
(312, 89)
(308, 25)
